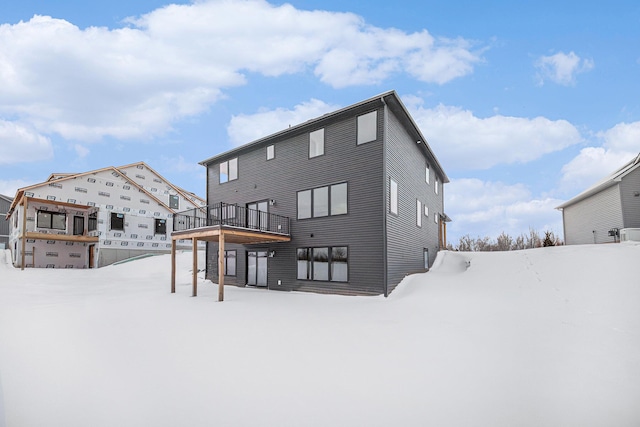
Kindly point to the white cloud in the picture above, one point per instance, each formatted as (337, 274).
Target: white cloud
(21, 144)
(562, 68)
(174, 62)
(245, 128)
(9, 188)
(81, 151)
(620, 144)
(463, 141)
(489, 208)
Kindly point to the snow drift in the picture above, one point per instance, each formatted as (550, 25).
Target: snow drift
(547, 336)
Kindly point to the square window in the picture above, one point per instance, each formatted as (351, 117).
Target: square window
(271, 152)
(316, 143)
(367, 127)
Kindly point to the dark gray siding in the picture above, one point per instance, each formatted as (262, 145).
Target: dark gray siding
(405, 164)
(5, 204)
(629, 187)
(361, 230)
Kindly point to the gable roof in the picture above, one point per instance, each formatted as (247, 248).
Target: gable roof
(6, 198)
(389, 98)
(66, 176)
(605, 183)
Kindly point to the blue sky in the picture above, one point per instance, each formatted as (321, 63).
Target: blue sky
(525, 105)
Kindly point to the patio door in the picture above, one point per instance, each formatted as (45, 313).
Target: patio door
(258, 215)
(257, 268)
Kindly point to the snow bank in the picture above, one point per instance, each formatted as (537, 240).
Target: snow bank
(538, 337)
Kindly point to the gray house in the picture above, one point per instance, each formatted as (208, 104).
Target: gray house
(595, 215)
(347, 203)
(5, 203)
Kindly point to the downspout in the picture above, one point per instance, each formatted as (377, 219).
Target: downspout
(384, 198)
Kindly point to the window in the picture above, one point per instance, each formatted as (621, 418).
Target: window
(426, 174)
(78, 225)
(316, 143)
(367, 127)
(323, 264)
(52, 220)
(339, 199)
(304, 204)
(323, 201)
(425, 255)
(271, 152)
(230, 263)
(229, 170)
(426, 210)
(418, 213)
(117, 221)
(393, 197)
(320, 202)
(437, 186)
(160, 226)
(93, 222)
(435, 217)
(174, 201)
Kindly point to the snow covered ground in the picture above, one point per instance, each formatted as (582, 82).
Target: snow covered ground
(543, 337)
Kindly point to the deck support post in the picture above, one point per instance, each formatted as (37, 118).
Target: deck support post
(221, 266)
(195, 266)
(173, 266)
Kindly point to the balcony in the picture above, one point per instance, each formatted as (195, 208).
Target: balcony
(255, 226)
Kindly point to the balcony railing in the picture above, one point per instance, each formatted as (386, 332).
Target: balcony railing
(230, 215)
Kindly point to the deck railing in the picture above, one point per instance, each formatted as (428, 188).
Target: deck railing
(230, 215)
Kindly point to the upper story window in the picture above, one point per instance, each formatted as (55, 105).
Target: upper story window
(271, 152)
(437, 186)
(316, 143)
(174, 201)
(393, 197)
(418, 213)
(117, 221)
(323, 201)
(52, 220)
(367, 127)
(229, 170)
(426, 174)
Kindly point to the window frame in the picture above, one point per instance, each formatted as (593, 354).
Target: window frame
(393, 197)
(50, 222)
(157, 221)
(227, 165)
(92, 222)
(227, 254)
(118, 216)
(174, 201)
(313, 142)
(362, 133)
(271, 152)
(309, 259)
(330, 199)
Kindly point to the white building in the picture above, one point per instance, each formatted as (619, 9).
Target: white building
(95, 218)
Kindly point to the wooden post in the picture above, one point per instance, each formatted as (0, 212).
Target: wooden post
(24, 231)
(221, 266)
(195, 266)
(173, 266)
(33, 256)
(445, 235)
